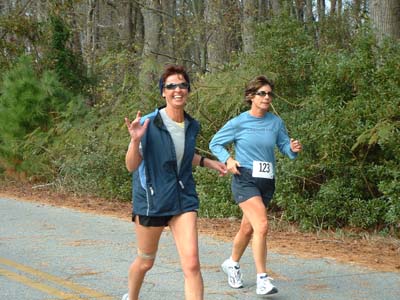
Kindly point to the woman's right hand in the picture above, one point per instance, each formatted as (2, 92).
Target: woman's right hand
(136, 130)
(232, 166)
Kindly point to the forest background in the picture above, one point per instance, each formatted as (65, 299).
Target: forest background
(73, 69)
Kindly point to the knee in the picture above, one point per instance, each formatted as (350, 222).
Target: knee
(142, 265)
(144, 261)
(191, 266)
(262, 227)
(147, 264)
(246, 230)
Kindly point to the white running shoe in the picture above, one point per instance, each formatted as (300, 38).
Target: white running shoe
(125, 297)
(232, 269)
(264, 286)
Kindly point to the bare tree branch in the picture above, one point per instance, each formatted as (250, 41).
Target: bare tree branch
(153, 9)
(18, 14)
(112, 4)
(175, 58)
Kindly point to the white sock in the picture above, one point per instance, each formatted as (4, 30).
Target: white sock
(261, 275)
(232, 261)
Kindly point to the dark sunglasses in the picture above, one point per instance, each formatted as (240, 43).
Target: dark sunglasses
(264, 93)
(173, 86)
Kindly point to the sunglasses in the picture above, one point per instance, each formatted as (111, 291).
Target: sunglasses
(264, 93)
(173, 86)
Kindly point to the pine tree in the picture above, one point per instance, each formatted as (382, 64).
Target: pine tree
(28, 105)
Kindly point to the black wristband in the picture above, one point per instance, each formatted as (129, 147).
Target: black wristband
(201, 163)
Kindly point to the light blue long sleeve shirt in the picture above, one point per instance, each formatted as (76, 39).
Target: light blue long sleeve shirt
(254, 139)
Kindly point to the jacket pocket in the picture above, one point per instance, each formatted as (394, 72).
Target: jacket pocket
(165, 200)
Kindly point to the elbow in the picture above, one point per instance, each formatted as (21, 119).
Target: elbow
(213, 149)
(132, 163)
(211, 145)
(130, 166)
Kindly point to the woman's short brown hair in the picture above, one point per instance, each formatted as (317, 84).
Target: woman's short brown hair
(254, 85)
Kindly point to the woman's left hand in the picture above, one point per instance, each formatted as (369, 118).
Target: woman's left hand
(295, 145)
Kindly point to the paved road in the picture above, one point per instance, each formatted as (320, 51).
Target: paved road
(53, 253)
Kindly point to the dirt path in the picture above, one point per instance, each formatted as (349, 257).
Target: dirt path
(368, 250)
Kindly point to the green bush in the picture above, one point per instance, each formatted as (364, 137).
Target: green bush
(29, 105)
(59, 56)
(215, 195)
(349, 125)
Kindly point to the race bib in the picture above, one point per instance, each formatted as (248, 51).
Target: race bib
(263, 169)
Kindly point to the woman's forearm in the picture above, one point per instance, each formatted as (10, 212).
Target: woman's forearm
(133, 157)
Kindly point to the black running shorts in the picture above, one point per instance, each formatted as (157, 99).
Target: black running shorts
(152, 221)
(147, 221)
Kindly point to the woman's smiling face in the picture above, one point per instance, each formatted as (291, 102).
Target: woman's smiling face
(175, 91)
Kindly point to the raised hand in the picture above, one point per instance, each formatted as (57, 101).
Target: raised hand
(136, 130)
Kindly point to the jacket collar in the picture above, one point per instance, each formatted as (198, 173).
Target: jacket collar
(159, 122)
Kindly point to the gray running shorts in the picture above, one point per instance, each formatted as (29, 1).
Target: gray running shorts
(245, 186)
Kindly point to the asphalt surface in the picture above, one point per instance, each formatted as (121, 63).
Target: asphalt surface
(50, 252)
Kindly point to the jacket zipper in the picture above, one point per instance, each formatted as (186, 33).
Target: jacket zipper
(176, 169)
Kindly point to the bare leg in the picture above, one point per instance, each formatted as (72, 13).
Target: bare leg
(255, 212)
(242, 239)
(184, 229)
(147, 241)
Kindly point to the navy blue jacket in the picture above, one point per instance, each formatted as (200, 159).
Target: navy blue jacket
(158, 188)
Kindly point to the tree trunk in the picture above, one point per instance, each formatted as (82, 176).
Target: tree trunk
(152, 24)
(385, 16)
(167, 47)
(276, 7)
(129, 24)
(262, 10)
(309, 11)
(333, 8)
(357, 10)
(216, 48)
(200, 49)
(139, 30)
(91, 34)
(321, 9)
(249, 16)
(300, 10)
(77, 46)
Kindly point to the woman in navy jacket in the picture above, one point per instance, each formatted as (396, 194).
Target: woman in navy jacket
(161, 154)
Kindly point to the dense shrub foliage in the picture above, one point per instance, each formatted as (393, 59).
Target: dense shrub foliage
(67, 64)
(29, 105)
(340, 97)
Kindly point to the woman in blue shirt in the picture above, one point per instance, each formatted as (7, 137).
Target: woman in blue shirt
(254, 134)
